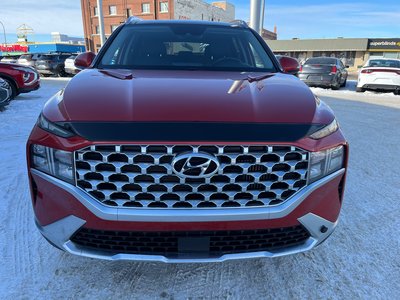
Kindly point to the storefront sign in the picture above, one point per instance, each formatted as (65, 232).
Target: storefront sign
(384, 44)
(10, 48)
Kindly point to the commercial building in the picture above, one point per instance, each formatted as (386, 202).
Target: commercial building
(58, 42)
(116, 12)
(57, 37)
(354, 52)
(18, 49)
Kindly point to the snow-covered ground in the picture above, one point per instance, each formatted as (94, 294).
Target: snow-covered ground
(361, 260)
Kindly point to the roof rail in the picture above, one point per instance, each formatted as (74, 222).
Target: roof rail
(239, 23)
(133, 20)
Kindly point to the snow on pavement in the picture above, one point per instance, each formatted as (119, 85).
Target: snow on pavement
(360, 260)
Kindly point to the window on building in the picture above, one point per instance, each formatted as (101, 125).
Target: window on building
(97, 29)
(163, 7)
(129, 12)
(112, 10)
(146, 8)
(95, 11)
(113, 27)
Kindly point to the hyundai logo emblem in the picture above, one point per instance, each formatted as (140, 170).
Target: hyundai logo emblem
(195, 165)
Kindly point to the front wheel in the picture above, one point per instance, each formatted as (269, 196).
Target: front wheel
(14, 90)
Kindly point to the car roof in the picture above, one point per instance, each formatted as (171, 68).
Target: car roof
(235, 23)
(383, 58)
(322, 57)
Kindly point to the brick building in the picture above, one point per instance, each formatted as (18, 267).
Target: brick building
(116, 12)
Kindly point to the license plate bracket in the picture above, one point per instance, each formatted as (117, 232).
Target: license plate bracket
(194, 246)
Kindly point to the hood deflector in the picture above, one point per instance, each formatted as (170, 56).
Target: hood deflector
(191, 131)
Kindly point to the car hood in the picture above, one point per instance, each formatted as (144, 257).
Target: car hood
(185, 96)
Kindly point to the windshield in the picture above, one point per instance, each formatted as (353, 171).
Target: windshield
(26, 56)
(321, 61)
(186, 47)
(383, 63)
(47, 57)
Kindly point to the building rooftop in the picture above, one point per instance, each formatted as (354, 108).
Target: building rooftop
(338, 44)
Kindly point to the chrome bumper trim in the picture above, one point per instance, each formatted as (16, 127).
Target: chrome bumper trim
(185, 214)
(60, 232)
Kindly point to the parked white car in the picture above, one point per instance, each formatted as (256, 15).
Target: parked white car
(380, 74)
(70, 65)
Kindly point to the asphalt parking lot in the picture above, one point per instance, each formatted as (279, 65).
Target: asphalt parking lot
(360, 261)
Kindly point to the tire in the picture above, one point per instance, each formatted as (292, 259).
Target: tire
(360, 90)
(337, 85)
(61, 72)
(14, 90)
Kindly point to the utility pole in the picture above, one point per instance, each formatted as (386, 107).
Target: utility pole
(255, 14)
(4, 32)
(262, 17)
(101, 22)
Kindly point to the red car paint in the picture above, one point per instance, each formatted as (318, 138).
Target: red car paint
(183, 96)
(14, 74)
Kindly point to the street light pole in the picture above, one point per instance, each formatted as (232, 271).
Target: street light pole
(4, 32)
(255, 14)
(262, 17)
(101, 21)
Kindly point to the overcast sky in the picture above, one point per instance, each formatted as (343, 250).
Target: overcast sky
(294, 18)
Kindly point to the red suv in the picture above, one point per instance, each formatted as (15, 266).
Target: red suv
(185, 141)
(22, 79)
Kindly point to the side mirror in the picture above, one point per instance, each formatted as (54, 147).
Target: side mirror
(289, 65)
(84, 60)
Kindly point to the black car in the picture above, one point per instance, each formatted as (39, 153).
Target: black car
(52, 64)
(324, 71)
(5, 93)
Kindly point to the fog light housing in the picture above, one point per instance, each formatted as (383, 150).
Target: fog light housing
(58, 163)
(323, 163)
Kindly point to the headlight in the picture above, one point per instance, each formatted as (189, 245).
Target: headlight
(57, 163)
(327, 130)
(30, 75)
(53, 128)
(323, 163)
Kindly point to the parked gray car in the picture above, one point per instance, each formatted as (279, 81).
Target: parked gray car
(324, 71)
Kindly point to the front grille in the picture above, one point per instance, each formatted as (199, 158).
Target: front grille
(217, 243)
(141, 176)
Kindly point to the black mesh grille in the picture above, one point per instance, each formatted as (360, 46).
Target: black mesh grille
(166, 243)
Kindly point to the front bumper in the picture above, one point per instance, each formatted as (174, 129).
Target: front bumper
(60, 232)
(62, 209)
(71, 70)
(31, 88)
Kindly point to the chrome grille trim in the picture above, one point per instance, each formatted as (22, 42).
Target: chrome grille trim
(141, 176)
